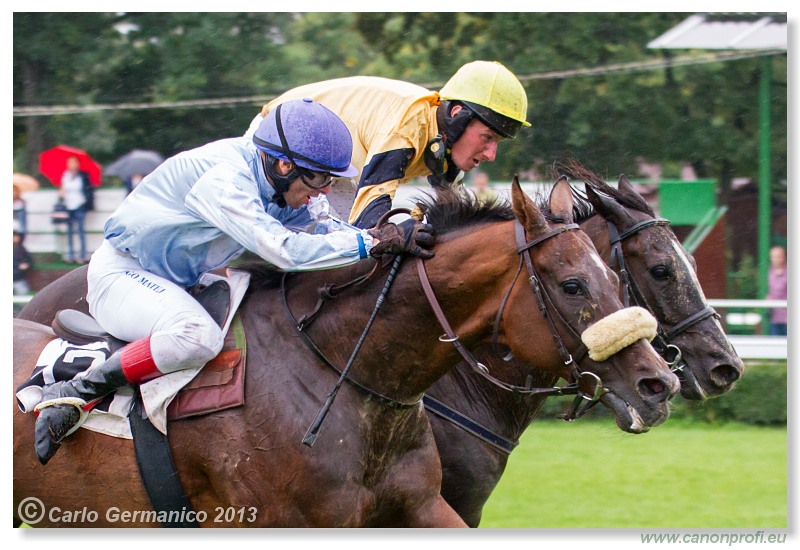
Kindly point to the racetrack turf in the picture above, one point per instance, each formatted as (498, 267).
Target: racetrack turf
(682, 474)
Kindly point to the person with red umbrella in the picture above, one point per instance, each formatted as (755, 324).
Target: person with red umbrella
(77, 193)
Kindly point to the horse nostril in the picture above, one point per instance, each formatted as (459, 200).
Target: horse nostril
(725, 375)
(653, 389)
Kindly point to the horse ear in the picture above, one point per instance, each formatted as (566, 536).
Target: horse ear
(609, 208)
(625, 186)
(526, 210)
(561, 200)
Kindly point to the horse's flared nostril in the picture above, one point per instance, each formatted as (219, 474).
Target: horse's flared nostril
(654, 389)
(725, 375)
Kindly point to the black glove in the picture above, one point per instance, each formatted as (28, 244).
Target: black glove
(410, 237)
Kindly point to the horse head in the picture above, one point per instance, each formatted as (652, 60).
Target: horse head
(660, 275)
(574, 295)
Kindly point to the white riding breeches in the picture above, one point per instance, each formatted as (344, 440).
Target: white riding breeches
(131, 304)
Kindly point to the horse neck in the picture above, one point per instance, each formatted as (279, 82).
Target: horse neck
(500, 410)
(402, 355)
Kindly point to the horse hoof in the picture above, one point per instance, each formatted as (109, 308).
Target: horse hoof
(52, 425)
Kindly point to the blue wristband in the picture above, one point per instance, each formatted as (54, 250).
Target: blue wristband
(362, 248)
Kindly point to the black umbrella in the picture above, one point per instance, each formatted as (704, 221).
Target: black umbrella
(137, 161)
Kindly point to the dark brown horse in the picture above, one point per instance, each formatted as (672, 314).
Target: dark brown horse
(663, 276)
(374, 464)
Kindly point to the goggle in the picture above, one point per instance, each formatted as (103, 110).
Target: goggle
(315, 180)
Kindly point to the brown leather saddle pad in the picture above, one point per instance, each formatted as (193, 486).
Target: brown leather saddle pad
(220, 383)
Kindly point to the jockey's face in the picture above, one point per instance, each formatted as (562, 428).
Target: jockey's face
(477, 144)
(300, 192)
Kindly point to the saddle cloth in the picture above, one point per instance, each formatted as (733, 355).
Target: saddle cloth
(217, 385)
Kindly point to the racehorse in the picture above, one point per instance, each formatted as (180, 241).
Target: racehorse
(656, 273)
(375, 462)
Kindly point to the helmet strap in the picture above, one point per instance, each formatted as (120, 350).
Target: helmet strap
(438, 151)
(280, 182)
(453, 126)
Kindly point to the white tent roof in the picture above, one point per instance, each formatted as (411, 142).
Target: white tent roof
(726, 32)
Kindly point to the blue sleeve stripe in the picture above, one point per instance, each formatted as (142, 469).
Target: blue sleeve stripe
(362, 248)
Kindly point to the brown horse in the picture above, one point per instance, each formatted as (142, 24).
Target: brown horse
(375, 462)
(663, 276)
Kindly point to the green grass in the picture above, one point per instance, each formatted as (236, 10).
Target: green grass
(681, 475)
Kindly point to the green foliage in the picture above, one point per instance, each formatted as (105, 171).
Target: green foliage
(703, 114)
(743, 280)
(760, 398)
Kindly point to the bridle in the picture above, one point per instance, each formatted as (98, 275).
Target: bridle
(631, 292)
(584, 400)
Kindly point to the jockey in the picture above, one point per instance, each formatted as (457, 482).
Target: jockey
(402, 131)
(197, 212)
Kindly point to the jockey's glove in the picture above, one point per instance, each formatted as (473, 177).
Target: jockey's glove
(410, 237)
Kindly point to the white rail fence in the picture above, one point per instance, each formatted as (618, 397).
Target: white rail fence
(747, 346)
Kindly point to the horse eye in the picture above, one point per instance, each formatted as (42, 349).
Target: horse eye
(571, 287)
(660, 272)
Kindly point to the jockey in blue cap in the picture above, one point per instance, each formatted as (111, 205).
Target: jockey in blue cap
(197, 212)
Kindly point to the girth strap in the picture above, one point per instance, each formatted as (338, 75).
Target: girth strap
(159, 475)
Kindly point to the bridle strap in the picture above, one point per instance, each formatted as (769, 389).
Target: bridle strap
(450, 336)
(632, 291)
(690, 321)
(541, 294)
(522, 246)
(634, 229)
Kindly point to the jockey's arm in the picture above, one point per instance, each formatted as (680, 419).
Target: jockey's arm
(233, 206)
(378, 185)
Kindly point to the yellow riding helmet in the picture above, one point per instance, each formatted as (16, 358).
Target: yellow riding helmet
(490, 89)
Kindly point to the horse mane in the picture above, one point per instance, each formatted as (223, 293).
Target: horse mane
(574, 170)
(450, 210)
(262, 275)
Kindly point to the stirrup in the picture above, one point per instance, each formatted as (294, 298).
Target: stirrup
(83, 409)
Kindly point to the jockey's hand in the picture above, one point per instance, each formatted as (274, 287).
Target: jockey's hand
(410, 237)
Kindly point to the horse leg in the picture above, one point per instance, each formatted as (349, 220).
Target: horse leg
(436, 514)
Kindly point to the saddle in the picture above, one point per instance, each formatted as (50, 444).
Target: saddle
(219, 385)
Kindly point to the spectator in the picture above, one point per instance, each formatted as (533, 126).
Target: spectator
(22, 264)
(76, 191)
(480, 183)
(778, 290)
(20, 213)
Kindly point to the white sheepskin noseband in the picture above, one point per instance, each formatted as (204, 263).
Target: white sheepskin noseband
(618, 331)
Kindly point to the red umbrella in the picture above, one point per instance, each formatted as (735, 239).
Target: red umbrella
(53, 164)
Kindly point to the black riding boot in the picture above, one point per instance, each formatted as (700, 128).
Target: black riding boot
(58, 420)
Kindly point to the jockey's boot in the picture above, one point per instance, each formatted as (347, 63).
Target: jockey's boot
(66, 404)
